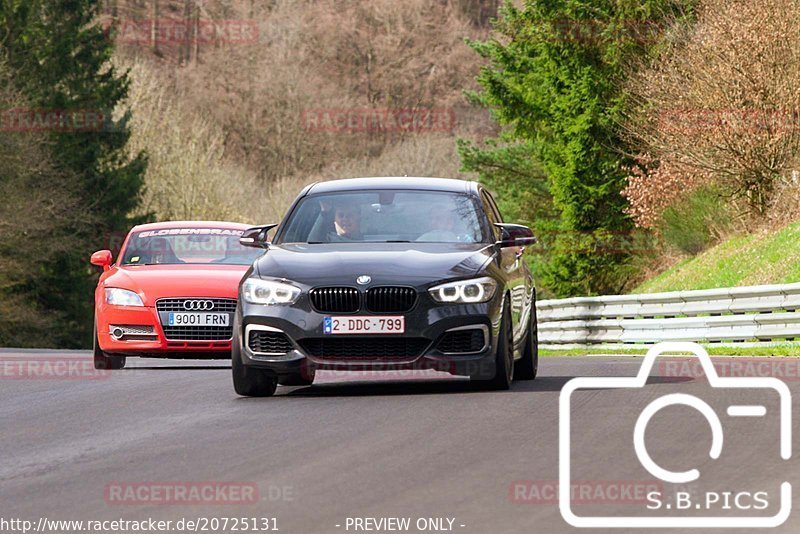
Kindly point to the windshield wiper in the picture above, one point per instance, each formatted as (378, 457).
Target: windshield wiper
(339, 242)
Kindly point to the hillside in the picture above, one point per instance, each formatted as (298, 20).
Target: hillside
(221, 119)
(742, 260)
(591, 121)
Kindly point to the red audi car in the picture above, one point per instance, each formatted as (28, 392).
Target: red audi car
(171, 293)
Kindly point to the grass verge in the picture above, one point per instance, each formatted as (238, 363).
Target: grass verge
(782, 349)
(761, 258)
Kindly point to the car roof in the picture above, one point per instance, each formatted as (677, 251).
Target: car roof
(404, 182)
(190, 224)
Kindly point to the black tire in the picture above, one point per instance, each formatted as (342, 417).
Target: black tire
(106, 361)
(504, 358)
(528, 366)
(248, 381)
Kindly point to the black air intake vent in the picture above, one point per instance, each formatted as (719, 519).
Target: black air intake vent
(462, 341)
(391, 299)
(267, 342)
(364, 348)
(335, 299)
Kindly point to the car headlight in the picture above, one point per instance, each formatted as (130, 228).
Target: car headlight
(257, 291)
(465, 291)
(122, 297)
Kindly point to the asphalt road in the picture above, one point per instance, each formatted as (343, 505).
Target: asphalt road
(73, 446)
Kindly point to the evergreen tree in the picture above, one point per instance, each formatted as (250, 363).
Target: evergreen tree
(59, 57)
(554, 81)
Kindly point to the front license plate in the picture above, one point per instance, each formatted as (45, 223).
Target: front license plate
(364, 325)
(199, 319)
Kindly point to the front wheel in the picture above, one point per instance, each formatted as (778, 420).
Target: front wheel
(248, 381)
(528, 366)
(105, 361)
(504, 358)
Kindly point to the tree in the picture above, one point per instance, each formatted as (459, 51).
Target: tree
(554, 83)
(506, 166)
(719, 108)
(59, 59)
(29, 186)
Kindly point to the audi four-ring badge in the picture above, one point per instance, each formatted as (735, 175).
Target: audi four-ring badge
(170, 293)
(385, 274)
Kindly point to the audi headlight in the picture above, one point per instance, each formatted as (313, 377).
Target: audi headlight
(465, 291)
(122, 297)
(257, 291)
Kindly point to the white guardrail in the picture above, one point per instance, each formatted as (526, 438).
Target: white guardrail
(731, 315)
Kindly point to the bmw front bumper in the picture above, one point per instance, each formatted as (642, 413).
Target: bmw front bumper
(427, 325)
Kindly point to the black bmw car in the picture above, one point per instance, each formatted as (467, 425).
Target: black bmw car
(387, 274)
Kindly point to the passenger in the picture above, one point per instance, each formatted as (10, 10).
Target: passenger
(442, 226)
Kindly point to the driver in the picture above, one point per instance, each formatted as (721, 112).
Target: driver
(161, 252)
(347, 222)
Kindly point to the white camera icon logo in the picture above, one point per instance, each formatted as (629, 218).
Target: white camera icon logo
(639, 381)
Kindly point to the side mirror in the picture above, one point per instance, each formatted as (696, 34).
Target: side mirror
(515, 235)
(256, 237)
(102, 258)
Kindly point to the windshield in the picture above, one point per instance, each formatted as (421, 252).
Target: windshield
(385, 217)
(176, 246)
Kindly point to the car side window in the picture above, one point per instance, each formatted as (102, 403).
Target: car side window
(491, 212)
(493, 204)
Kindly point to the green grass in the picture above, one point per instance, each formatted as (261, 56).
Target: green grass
(781, 349)
(754, 259)
(741, 260)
